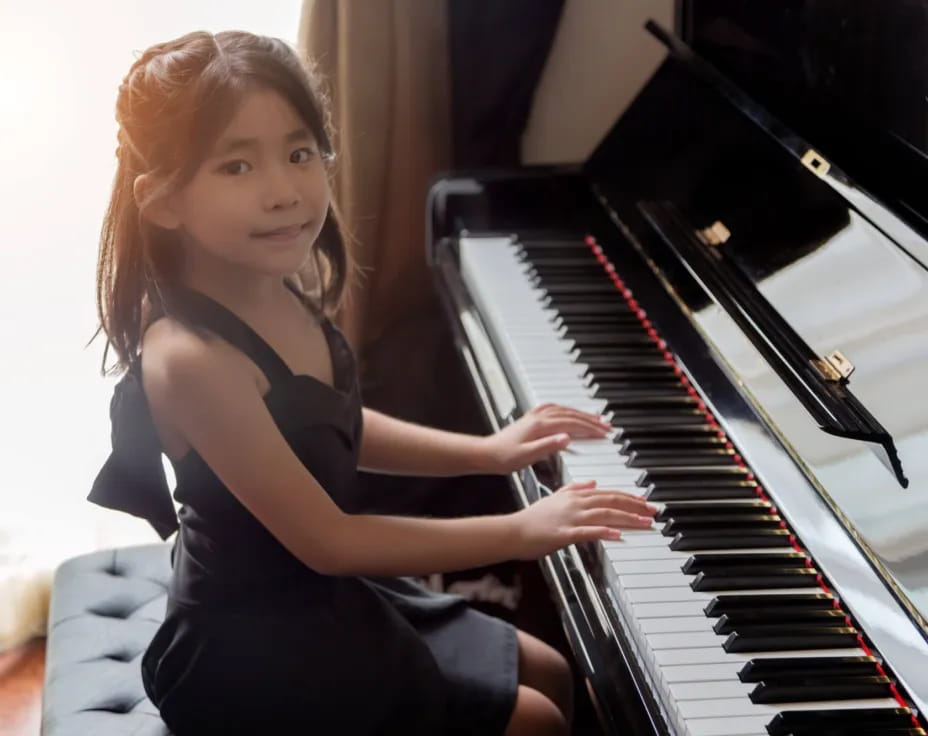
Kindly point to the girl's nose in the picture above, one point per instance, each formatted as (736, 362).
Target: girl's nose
(281, 192)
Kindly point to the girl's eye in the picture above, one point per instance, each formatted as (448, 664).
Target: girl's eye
(302, 155)
(235, 168)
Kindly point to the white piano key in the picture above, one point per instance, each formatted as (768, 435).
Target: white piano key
(712, 689)
(752, 726)
(687, 640)
(676, 624)
(698, 672)
(647, 567)
(644, 611)
(662, 580)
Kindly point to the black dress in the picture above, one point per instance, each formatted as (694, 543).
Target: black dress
(256, 642)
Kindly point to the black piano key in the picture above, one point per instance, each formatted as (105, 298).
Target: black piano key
(727, 538)
(745, 522)
(588, 298)
(623, 388)
(623, 320)
(554, 260)
(722, 604)
(805, 689)
(619, 338)
(758, 670)
(730, 622)
(666, 402)
(640, 392)
(572, 290)
(660, 373)
(678, 459)
(703, 441)
(637, 418)
(792, 638)
(683, 509)
(595, 363)
(709, 492)
(821, 722)
(741, 579)
(617, 354)
(628, 433)
(701, 562)
(700, 476)
(601, 307)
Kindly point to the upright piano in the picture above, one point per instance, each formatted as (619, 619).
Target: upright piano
(754, 324)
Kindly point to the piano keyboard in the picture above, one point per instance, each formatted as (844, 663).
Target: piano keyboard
(739, 633)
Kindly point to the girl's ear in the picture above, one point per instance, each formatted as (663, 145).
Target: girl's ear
(157, 211)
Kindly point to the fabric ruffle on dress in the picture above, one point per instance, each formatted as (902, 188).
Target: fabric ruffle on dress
(132, 479)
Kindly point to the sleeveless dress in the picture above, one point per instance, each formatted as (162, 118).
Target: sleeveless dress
(254, 641)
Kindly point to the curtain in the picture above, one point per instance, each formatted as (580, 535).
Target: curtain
(385, 65)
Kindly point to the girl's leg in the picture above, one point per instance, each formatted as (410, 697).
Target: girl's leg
(535, 715)
(544, 670)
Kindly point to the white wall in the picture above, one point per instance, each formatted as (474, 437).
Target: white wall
(60, 65)
(600, 59)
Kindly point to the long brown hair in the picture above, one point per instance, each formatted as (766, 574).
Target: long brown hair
(177, 97)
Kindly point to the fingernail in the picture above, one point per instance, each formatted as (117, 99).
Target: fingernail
(563, 438)
(645, 519)
(615, 534)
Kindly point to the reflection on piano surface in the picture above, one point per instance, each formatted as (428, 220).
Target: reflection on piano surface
(687, 283)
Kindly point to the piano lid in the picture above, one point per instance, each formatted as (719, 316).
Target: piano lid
(782, 260)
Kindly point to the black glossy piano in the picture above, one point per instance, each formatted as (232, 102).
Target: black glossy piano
(754, 324)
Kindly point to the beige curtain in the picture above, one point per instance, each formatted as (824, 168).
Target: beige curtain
(385, 64)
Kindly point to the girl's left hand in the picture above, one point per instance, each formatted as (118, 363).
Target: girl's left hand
(541, 432)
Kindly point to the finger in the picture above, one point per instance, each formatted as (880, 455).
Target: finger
(569, 411)
(576, 428)
(565, 414)
(538, 449)
(619, 500)
(615, 518)
(578, 485)
(542, 407)
(594, 534)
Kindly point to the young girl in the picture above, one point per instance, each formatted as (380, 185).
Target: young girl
(285, 613)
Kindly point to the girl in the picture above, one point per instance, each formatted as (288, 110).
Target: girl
(284, 612)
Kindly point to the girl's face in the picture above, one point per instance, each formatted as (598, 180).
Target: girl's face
(260, 197)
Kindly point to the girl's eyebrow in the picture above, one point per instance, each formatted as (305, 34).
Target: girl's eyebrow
(231, 145)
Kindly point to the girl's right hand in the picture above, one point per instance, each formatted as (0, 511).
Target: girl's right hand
(579, 512)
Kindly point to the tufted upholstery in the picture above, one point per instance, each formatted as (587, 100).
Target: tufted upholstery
(105, 609)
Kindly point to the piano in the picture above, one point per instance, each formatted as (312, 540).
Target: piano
(754, 325)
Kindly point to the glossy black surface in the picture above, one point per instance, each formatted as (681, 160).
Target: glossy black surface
(849, 76)
(834, 275)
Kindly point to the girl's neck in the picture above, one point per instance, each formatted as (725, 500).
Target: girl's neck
(233, 286)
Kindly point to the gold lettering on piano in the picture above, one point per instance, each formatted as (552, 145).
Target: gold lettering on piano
(815, 163)
(715, 234)
(834, 367)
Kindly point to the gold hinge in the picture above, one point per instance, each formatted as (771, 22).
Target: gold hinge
(834, 367)
(815, 163)
(715, 234)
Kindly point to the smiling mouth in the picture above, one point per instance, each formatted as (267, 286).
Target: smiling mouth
(282, 233)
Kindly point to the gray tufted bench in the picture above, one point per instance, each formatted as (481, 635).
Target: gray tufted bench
(105, 608)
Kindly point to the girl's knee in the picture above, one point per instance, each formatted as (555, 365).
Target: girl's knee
(535, 714)
(542, 668)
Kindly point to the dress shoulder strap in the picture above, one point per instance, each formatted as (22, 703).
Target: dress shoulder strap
(207, 312)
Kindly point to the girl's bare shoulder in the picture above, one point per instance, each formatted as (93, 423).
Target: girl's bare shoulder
(181, 368)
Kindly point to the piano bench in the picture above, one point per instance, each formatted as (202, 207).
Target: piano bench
(105, 608)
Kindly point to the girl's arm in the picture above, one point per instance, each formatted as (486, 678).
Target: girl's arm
(214, 403)
(390, 445)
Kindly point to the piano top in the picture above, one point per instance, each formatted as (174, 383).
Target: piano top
(812, 251)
